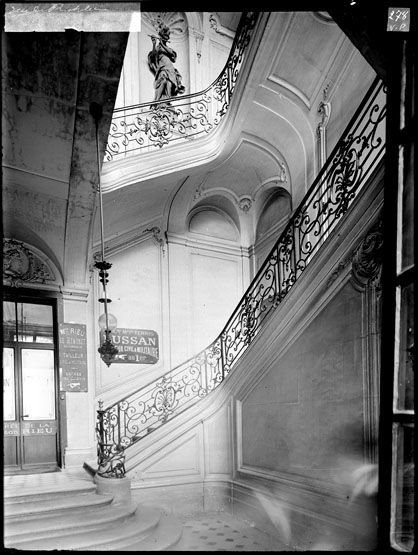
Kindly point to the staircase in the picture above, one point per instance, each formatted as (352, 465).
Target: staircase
(356, 159)
(61, 511)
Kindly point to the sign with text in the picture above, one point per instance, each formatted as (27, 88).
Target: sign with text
(135, 346)
(11, 429)
(73, 357)
(39, 428)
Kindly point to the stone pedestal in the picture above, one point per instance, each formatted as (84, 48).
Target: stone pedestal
(120, 488)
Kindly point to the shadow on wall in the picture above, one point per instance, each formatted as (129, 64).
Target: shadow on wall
(338, 512)
(359, 481)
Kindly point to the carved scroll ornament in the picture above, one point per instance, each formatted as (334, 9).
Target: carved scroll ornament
(21, 265)
(367, 260)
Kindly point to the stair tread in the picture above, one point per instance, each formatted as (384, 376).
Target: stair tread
(143, 521)
(65, 524)
(23, 495)
(55, 503)
(167, 535)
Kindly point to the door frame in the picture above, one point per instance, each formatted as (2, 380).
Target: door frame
(54, 299)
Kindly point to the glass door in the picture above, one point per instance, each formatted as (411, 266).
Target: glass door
(29, 387)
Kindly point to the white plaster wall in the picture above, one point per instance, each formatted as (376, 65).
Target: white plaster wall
(135, 287)
(180, 300)
(205, 286)
(80, 406)
(214, 293)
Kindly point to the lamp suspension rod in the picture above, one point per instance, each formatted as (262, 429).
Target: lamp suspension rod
(99, 187)
(96, 119)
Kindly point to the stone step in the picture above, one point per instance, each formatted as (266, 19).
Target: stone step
(67, 525)
(136, 526)
(54, 505)
(35, 494)
(165, 537)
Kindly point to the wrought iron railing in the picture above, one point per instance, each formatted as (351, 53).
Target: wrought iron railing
(142, 127)
(356, 156)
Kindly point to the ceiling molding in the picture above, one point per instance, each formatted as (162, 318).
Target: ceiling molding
(291, 88)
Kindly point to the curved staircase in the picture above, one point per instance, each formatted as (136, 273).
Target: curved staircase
(60, 511)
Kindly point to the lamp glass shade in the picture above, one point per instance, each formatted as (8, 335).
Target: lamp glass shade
(112, 322)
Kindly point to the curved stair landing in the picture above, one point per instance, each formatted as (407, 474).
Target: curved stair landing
(62, 511)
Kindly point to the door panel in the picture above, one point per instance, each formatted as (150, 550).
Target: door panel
(30, 392)
(9, 400)
(38, 384)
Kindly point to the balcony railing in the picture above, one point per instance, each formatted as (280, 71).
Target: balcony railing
(356, 156)
(142, 127)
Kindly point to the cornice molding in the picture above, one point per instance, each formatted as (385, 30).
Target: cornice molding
(202, 243)
(132, 237)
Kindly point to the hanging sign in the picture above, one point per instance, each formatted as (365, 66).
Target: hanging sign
(73, 357)
(134, 346)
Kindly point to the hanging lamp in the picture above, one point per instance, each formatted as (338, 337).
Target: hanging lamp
(107, 349)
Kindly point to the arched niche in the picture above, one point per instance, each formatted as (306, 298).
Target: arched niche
(213, 223)
(276, 208)
(274, 215)
(214, 216)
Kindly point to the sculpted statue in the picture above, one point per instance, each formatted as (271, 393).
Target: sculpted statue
(167, 81)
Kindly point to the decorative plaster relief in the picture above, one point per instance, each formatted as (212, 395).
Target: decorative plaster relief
(245, 204)
(21, 265)
(173, 20)
(156, 234)
(198, 36)
(324, 109)
(366, 260)
(282, 176)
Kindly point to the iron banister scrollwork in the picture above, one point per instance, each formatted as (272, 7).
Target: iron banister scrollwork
(110, 456)
(145, 126)
(354, 159)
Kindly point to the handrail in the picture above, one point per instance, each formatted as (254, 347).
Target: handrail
(354, 159)
(142, 127)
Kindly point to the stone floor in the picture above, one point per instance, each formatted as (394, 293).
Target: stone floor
(223, 532)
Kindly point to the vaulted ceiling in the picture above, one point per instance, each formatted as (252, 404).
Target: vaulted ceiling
(301, 59)
(49, 152)
(49, 158)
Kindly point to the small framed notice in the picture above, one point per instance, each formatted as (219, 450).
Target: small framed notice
(73, 357)
(398, 19)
